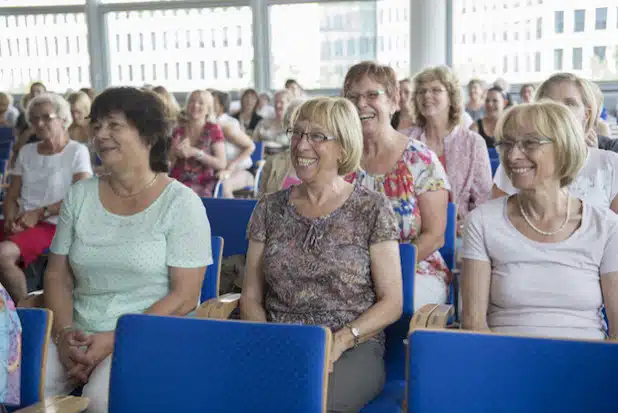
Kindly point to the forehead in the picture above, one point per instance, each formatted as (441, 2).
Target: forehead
(45, 107)
(563, 90)
(365, 83)
(198, 96)
(310, 126)
(113, 116)
(430, 82)
(494, 94)
(518, 127)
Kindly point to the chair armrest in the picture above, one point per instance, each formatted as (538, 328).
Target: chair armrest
(58, 404)
(32, 300)
(218, 308)
(440, 315)
(421, 317)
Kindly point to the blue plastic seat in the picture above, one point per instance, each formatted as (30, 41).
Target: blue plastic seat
(257, 159)
(181, 364)
(210, 285)
(229, 219)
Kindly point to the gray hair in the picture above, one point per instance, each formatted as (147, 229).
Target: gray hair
(59, 104)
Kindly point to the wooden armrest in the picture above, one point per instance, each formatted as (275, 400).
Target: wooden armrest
(421, 317)
(439, 316)
(58, 404)
(260, 164)
(218, 308)
(32, 300)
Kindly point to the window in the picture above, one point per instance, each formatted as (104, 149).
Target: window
(516, 64)
(55, 56)
(558, 55)
(579, 23)
(539, 27)
(559, 21)
(599, 53)
(528, 63)
(516, 31)
(12, 3)
(577, 58)
(537, 61)
(180, 35)
(351, 47)
(528, 36)
(600, 22)
(338, 47)
(505, 64)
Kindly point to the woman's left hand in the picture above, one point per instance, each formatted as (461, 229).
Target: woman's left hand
(101, 346)
(30, 218)
(338, 348)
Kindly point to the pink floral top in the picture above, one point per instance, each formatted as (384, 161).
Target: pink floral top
(416, 172)
(191, 172)
(10, 351)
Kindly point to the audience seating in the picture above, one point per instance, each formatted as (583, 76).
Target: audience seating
(6, 134)
(228, 219)
(257, 157)
(210, 285)
(494, 160)
(459, 372)
(193, 365)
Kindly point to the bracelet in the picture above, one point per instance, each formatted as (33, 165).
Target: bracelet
(59, 333)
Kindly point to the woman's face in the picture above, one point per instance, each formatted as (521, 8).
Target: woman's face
(46, 123)
(526, 94)
(117, 142)
(568, 94)
(405, 92)
(494, 103)
(79, 113)
(249, 100)
(37, 90)
(198, 105)
(432, 99)
(295, 90)
(374, 107)
(314, 161)
(475, 91)
(281, 104)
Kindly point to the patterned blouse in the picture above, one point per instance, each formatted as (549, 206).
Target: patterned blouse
(10, 351)
(191, 172)
(317, 270)
(416, 172)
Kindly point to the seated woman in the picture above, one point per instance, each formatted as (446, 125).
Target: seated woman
(43, 174)
(495, 100)
(248, 116)
(597, 182)
(325, 252)
(541, 262)
(406, 171)
(132, 241)
(198, 148)
(80, 109)
(272, 131)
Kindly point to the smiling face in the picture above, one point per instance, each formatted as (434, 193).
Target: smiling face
(526, 94)
(432, 99)
(199, 105)
(282, 100)
(569, 95)
(249, 101)
(80, 114)
(494, 103)
(405, 92)
(314, 161)
(373, 105)
(475, 91)
(46, 123)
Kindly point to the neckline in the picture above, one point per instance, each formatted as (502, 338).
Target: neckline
(292, 208)
(539, 243)
(152, 204)
(395, 168)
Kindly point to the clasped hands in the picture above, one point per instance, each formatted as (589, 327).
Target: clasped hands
(184, 149)
(23, 221)
(81, 353)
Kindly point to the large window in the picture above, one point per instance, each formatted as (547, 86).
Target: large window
(558, 56)
(600, 22)
(577, 58)
(579, 23)
(51, 48)
(599, 53)
(559, 21)
(182, 49)
(299, 33)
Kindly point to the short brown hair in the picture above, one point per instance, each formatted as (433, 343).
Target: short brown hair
(384, 75)
(450, 81)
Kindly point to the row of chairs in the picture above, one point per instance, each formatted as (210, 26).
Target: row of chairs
(257, 158)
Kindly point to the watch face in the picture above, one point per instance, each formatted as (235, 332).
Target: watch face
(355, 332)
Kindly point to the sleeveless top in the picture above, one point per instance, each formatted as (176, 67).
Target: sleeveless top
(232, 151)
(489, 140)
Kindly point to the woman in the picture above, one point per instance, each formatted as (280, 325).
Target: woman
(475, 99)
(601, 129)
(406, 171)
(238, 148)
(8, 112)
(272, 131)
(404, 117)
(597, 181)
(37, 88)
(133, 241)
(248, 116)
(495, 101)
(198, 148)
(541, 262)
(10, 352)
(80, 109)
(170, 101)
(463, 153)
(264, 109)
(526, 92)
(43, 174)
(325, 252)
(292, 86)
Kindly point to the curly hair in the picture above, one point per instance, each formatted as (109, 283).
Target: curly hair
(450, 82)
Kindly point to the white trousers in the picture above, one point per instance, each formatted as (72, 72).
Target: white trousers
(428, 290)
(96, 390)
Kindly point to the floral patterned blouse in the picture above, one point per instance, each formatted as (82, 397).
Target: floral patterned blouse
(10, 351)
(191, 172)
(416, 172)
(317, 270)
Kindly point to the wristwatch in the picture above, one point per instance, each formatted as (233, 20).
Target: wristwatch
(46, 213)
(356, 333)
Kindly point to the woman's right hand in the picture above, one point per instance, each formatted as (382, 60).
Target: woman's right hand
(72, 347)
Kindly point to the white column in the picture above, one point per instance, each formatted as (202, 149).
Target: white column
(430, 33)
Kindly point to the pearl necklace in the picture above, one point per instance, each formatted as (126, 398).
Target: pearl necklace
(134, 194)
(545, 233)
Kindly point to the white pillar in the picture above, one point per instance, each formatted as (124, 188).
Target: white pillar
(430, 33)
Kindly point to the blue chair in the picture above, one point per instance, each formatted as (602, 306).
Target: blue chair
(6, 134)
(450, 236)
(36, 326)
(210, 286)
(257, 157)
(393, 394)
(498, 373)
(5, 150)
(229, 219)
(494, 160)
(193, 365)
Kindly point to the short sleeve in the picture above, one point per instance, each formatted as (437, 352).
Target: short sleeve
(188, 239)
(385, 224)
(503, 182)
(609, 261)
(474, 243)
(614, 185)
(63, 239)
(81, 162)
(216, 133)
(256, 230)
(18, 170)
(427, 170)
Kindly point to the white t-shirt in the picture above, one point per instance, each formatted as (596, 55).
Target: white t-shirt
(46, 179)
(546, 289)
(597, 182)
(232, 151)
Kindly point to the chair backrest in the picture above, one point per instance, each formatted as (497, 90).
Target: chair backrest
(494, 160)
(6, 134)
(258, 153)
(197, 365)
(450, 235)
(210, 286)
(5, 150)
(498, 373)
(396, 333)
(36, 326)
(229, 219)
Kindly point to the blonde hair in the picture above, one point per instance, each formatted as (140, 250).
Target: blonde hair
(339, 117)
(450, 81)
(80, 99)
(599, 99)
(551, 120)
(585, 90)
(210, 104)
(6, 100)
(289, 111)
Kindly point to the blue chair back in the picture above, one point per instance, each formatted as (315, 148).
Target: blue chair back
(36, 326)
(6, 134)
(498, 373)
(5, 150)
(450, 236)
(210, 286)
(258, 153)
(229, 219)
(196, 365)
(494, 160)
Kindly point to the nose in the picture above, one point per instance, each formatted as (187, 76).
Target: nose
(303, 143)
(515, 153)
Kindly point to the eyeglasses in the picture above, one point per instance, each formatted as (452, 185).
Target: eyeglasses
(314, 138)
(46, 118)
(370, 95)
(433, 91)
(527, 145)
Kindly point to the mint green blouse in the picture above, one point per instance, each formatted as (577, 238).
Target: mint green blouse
(121, 263)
